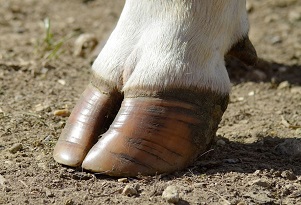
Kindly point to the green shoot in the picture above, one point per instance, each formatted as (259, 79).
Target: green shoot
(48, 38)
(49, 47)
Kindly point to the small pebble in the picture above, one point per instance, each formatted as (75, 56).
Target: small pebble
(240, 98)
(275, 40)
(60, 124)
(70, 170)
(252, 93)
(44, 70)
(15, 148)
(288, 175)
(6, 189)
(8, 162)
(171, 194)
(289, 148)
(290, 187)
(62, 81)
(48, 193)
(277, 173)
(257, 172)
(69, 202)
(282, 69)
(260, 182)
(42, 165)
(2, 180)
(41, 107)
(294, 16)
(86, 197)
(123, 180)
(220, 142)
(62, 113)
(296, 90)
(48, 138)
(130, 190)
(283, 85)
(259, 75)
(279, 112)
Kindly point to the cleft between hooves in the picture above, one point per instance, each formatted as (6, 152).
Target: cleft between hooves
(157, 134)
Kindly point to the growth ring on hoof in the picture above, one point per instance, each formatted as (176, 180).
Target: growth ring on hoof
(161, 134)
(83, 127)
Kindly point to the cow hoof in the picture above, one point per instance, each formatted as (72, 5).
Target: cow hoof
(149, 135)
(152, 135)
(84, 126)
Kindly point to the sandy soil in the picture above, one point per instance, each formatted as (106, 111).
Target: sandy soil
(257, 155)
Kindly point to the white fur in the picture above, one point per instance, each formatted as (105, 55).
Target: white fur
(159, 44)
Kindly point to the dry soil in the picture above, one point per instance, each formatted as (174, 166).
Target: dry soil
(256, 158)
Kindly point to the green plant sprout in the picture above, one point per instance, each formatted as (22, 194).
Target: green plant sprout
(50, 46)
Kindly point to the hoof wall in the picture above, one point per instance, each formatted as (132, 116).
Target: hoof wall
(70, 154)
(84, 126)
(149, 135)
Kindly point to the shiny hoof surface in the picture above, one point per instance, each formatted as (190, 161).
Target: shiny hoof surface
(149, 135)
(83, 127)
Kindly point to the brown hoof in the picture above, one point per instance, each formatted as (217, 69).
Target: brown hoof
(83, 127)
(151, 136)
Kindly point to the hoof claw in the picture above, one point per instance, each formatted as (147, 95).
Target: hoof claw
(69, 153)
(84, 126)
(149, 135)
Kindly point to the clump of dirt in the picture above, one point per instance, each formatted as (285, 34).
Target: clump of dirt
(256, 158)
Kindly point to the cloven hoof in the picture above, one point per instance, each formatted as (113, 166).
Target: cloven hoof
(149, 135)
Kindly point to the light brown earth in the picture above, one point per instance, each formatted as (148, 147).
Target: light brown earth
(257, 155)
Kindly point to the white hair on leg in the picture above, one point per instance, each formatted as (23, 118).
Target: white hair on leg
(162, 44)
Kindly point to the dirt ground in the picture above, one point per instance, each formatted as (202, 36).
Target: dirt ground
(257, 155)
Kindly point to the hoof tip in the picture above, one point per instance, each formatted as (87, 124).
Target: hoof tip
(70, 154)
